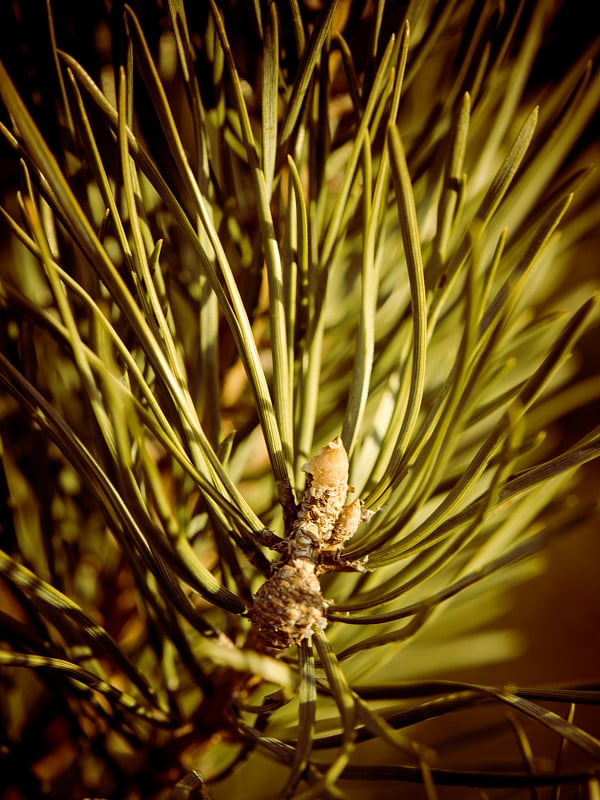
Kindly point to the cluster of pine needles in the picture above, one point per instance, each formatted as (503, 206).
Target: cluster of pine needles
(234, 232)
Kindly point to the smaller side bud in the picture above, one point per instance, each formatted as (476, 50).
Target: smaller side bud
(346, 524)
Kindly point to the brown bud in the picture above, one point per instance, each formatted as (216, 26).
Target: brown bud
(329, 467)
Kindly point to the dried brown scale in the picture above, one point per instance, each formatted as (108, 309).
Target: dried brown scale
(289, 606)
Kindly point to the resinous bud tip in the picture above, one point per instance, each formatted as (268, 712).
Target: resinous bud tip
(329, 466)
